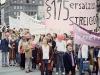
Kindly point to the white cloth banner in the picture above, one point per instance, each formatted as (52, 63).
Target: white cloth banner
(35, 26)
(14, 23)
(26, 21)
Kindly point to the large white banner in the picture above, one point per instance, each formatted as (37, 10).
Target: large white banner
(26, 21)
(32, 24)
(59, 13)
(14, 23)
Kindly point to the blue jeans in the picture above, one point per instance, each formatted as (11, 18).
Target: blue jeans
(81, 67)
(96, 64)
(60, 62)
(4, 58)
(18, 58)
(45, 61)
(34, 63)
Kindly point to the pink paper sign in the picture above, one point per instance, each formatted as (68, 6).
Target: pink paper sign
(58, 14)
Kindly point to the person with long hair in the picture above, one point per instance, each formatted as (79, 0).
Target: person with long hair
(41, 40)
(12, 53)
(45, 57)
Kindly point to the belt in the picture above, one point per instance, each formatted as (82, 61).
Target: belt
(60, 52)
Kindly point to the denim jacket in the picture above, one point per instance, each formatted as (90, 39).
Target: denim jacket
(4, 45)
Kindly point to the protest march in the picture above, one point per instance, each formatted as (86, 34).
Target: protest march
(67, 40)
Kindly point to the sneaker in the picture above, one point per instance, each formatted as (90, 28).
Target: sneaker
(63, 73)
(27, 71)
(22, 68)
(6, 66)
(3, 65)
(56, 73)
(10, 64)
(30, 71)
(17, 65)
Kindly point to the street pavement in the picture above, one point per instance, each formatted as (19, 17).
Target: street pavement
(12, 70)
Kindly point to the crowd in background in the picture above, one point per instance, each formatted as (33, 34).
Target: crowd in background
(48, 52)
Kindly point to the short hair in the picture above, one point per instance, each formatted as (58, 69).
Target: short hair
(69, 44)
(48, 34)
(55, 35)
(66, 34)
(33, 36)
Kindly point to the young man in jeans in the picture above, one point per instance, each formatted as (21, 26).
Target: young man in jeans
(61, 49)
(5, 50)
(83, 56)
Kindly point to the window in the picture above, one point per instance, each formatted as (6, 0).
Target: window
(28, 7)
(14, 7)
(40, 2)
(28, 13)
(21, 7)
(15, 1)
(17, 7)
(34, 13)
(33, 1)
(21, 1)
(27, 1)
(40, 13)
(31, 13)
(34, 7)
(18, 13)
(15, 13)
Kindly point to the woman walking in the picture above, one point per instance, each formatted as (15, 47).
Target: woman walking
(45, 57)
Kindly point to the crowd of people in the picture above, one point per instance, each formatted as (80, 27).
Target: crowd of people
(48, 52)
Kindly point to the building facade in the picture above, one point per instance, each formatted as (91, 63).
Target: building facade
(2, 14)
(13, 8)
(40, 12)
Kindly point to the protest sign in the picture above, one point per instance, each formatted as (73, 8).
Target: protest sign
(28, 22)
(85, 37)
(58, 14)
(14, 23)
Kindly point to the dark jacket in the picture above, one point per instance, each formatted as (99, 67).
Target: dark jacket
(68, 62)
(34, 53)
(95, 53)
(40, 59)
(16, 45)
(4, 45)
(53, 44)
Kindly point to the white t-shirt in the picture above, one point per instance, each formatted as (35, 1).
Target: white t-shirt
(61, 46)
(45, 52)
(99, 54)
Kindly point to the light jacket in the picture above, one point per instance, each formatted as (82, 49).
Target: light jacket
(83, 52)
(28, 51)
